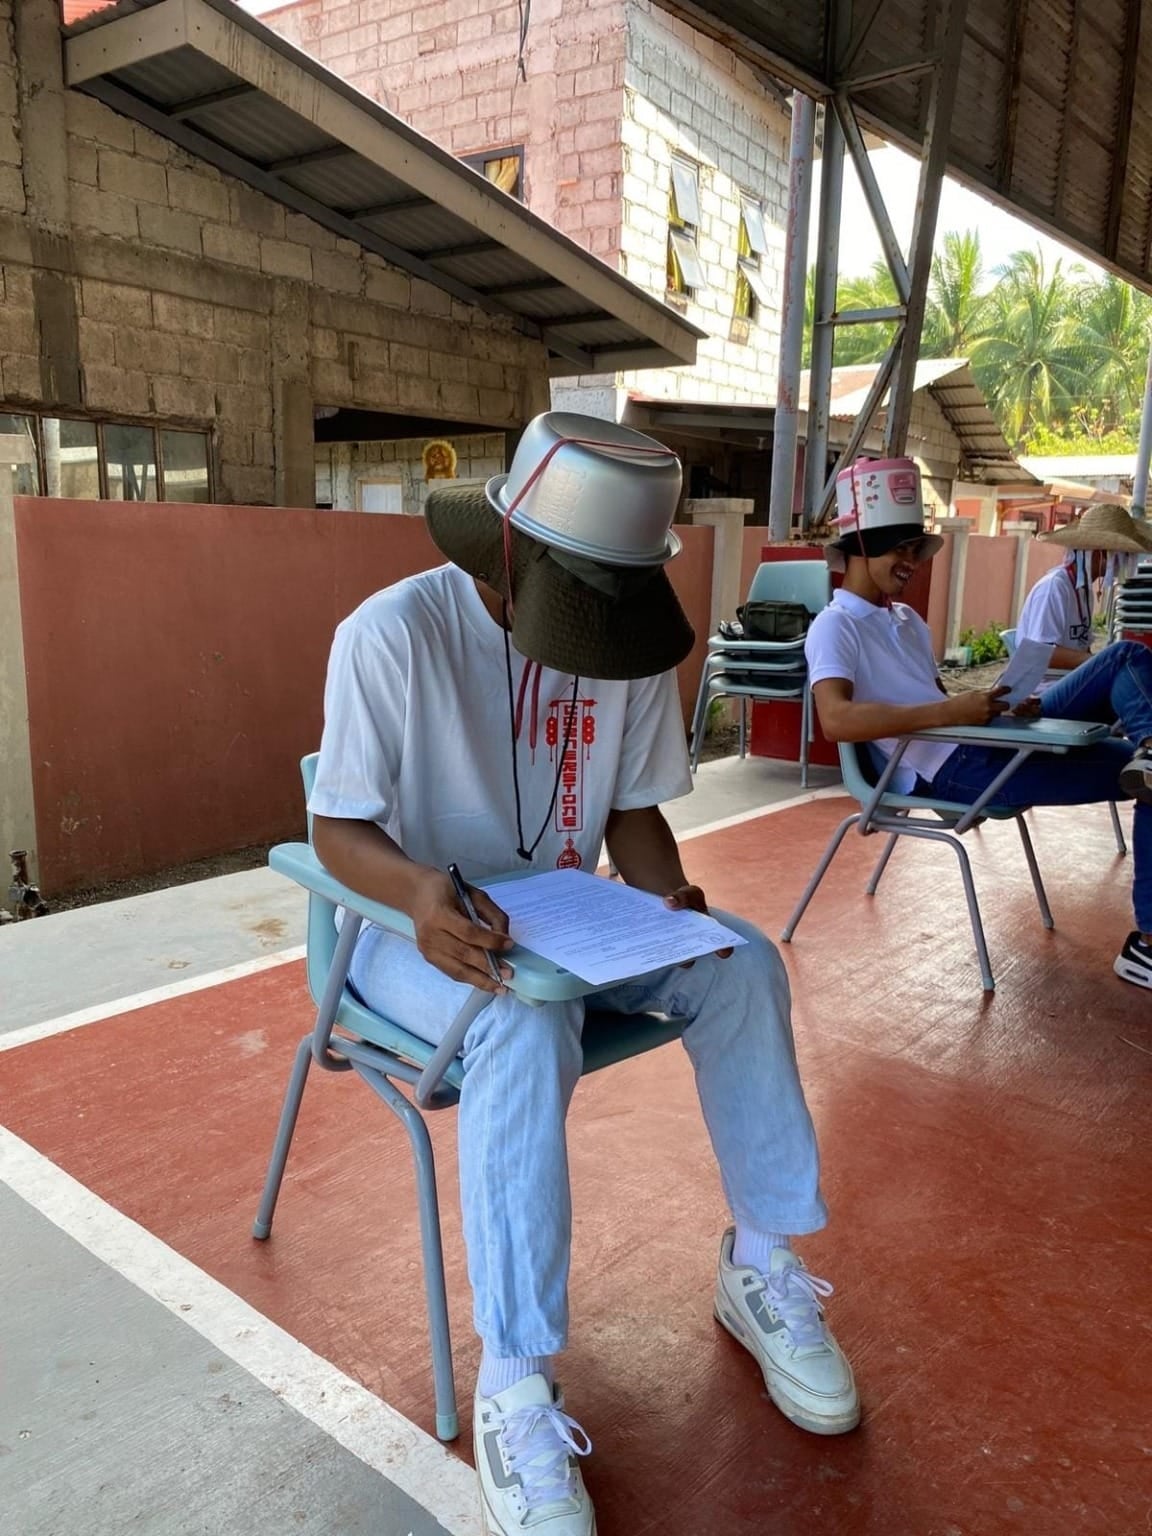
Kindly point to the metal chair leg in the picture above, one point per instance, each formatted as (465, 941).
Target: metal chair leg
(700, 718)
(1118, 829)
(1034, 871)
(805, 732)
(974, 913)
(881, 864)
(743, 728)
(821, 870)
(435, 1291)
(262, 1226)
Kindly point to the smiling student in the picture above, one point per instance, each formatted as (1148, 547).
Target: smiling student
(874, 678)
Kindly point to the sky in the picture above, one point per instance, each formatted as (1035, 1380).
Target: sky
(960, 209)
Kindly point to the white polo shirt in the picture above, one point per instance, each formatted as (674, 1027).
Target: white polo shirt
(886, 654)
(1056, 612)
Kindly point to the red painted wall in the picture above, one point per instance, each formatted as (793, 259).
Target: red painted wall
(176, 660)
(988, 582)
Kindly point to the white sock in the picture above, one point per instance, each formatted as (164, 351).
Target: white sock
(753, 1249)
(498, 1373)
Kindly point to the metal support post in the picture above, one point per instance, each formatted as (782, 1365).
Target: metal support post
(823, 324)
(950, 37)
(1144, 449)
(785, 431)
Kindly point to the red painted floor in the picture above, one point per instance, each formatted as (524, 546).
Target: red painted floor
(985, 1161)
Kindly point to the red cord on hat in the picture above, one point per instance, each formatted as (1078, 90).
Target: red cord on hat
(581, 442)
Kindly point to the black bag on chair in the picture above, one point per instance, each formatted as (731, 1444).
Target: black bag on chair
(774, 621)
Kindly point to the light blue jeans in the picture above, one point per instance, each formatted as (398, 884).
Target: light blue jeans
(521, 1065)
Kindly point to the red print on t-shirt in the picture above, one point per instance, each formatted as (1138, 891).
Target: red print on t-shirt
(571, 727)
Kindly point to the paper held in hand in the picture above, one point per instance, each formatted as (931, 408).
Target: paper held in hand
(600, 930)
(1025, 672)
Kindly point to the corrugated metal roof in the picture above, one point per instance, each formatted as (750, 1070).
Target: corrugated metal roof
(1053, 114)
(218, 82)
(948, 380)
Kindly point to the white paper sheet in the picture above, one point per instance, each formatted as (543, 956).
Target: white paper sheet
(1025, 672)
(601, 930)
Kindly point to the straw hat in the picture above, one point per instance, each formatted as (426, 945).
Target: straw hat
(575, 538)
(1102, 527)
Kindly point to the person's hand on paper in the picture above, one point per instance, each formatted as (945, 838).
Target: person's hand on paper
(690, 898)
(449, 940)
(978, 706)
(1027, 709)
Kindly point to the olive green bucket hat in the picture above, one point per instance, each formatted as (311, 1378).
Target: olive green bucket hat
(586, 588)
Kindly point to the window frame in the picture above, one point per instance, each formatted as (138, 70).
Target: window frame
(484, 157)
(683, 231)
(39, 414)
(751, 246)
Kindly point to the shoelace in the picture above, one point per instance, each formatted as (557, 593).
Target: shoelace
(538, 1442)
(796, 1296)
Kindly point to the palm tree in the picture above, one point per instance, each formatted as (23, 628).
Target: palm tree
(1029, 361)
(958, 309)
(1112, 326)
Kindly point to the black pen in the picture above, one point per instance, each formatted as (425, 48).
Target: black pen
(465, 901)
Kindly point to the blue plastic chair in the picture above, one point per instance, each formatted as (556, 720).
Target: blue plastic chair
(349, 1037)
(1008, 639)
(778, 665)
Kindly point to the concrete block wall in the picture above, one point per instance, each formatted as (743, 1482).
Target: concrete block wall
(140, 282)
(686, 94)
(341, 466)
(449, 68)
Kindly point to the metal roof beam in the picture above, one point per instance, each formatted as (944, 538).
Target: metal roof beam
(522, 285)
(311, 157)
(377, 210)
(467, 248)
(850, 127)
(950, 35)
(1125, 106)
(197, 104)
(906, 71)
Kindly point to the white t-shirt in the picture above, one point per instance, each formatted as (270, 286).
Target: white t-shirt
(886, 654)
(418, 736)
(1055, 613)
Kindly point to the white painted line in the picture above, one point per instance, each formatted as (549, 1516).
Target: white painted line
(135, 1000)
(355, 1418)
(741, 817)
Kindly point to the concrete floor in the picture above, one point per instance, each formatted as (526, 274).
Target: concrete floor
(139, 1394)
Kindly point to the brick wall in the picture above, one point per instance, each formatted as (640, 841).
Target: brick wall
(449, 68)
(689, 95)
(171, 292)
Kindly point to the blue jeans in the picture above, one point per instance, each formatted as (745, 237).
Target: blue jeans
(1114, 685)
(521, 1065)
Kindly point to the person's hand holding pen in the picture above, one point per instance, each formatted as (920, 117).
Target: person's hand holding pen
(460, 930)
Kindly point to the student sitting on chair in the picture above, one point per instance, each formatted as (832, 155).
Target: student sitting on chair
(874, 678)
(518, 708)
(1059, 609)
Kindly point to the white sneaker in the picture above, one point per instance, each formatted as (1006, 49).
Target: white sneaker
(526, 1449)
(1134, 962)
(778, 1319)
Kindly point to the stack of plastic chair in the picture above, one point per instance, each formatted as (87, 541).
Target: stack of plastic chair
(1132, 609)
(765, 669)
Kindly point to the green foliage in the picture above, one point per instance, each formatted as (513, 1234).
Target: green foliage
(1047, 441)
(986, 645)
(1060, 355)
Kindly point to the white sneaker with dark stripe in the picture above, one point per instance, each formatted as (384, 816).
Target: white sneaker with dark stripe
(526, 1458)
(778, 1319)
(1134, 962)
